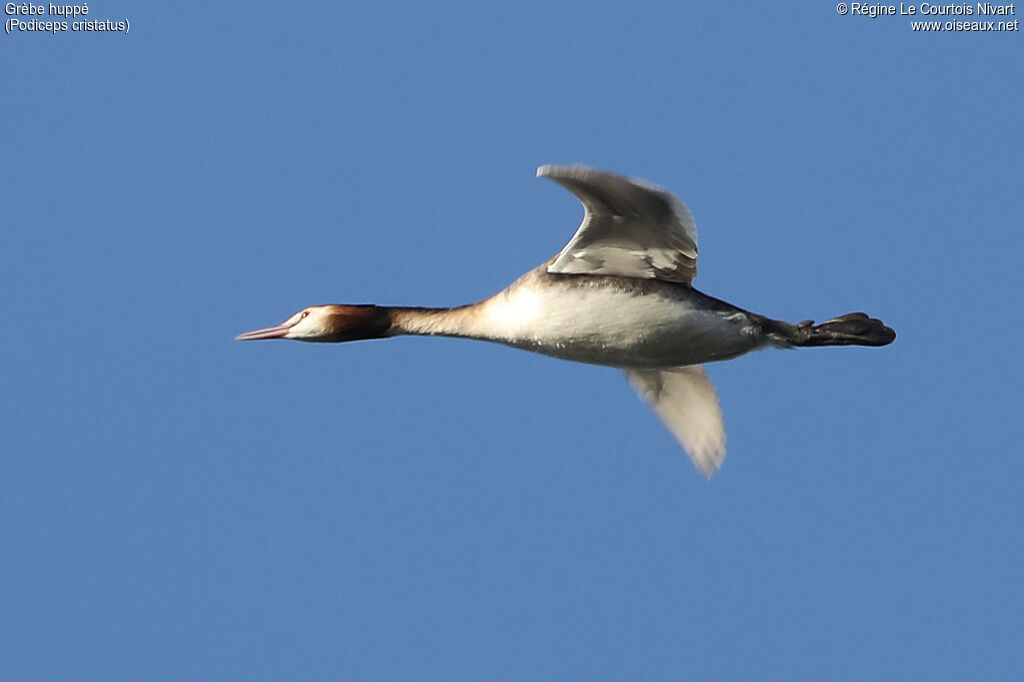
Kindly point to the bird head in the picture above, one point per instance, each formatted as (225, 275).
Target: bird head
(328, 323)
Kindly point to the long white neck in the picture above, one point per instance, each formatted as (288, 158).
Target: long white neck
(463, 322)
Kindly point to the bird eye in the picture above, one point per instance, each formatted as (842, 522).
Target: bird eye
(305, 314)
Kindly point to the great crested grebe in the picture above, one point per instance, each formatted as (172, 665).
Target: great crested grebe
(619, 294)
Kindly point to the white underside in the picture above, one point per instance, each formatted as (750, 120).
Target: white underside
(605, 326)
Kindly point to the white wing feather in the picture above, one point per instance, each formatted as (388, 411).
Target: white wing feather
(685, 400)
(630, 228)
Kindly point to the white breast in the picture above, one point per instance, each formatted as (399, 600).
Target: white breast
(610, 326)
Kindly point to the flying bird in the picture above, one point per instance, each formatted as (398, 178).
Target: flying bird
(618, 294)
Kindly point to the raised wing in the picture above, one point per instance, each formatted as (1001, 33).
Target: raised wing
(685, 400)
(630, 228)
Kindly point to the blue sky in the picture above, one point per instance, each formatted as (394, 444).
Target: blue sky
(177, 505)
